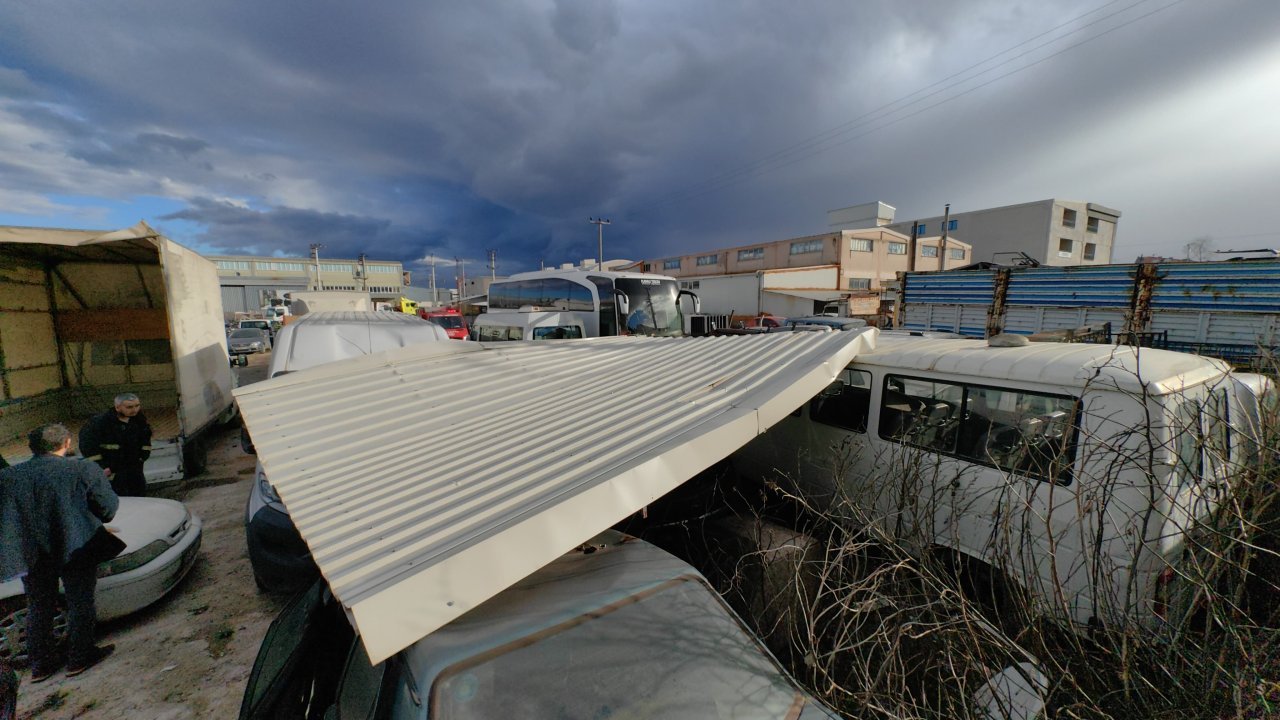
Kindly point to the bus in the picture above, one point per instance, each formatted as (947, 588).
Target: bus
(550, 304)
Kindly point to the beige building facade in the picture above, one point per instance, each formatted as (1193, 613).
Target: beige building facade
(1052, 232)
(864, 259)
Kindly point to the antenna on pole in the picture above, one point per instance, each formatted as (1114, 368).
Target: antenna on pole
(599, 223)
(493, 264)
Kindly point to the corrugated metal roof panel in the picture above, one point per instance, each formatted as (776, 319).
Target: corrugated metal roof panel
(428, 479)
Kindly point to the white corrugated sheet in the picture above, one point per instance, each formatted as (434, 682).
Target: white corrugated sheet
(429, 478)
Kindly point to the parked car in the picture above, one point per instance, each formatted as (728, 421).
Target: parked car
(764, 323)
(815, 322)
(615, 628)
(267, 326)
(279, 557)
(162, 539)
(247, 341)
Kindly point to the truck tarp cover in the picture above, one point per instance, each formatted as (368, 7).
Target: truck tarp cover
(428, 479)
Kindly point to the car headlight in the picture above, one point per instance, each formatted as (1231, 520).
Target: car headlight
(268, 491)
(133, 560)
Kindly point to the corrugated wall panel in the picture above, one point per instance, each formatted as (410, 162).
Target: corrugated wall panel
(971, 287)
(1097, 286)
(1240, 286)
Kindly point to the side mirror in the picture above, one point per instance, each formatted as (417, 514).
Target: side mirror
(623, 302)
(697, 304)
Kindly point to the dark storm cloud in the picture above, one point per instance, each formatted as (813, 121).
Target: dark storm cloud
(452, 128)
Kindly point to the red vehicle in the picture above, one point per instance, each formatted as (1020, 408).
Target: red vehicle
(449, 319)
(765, 322)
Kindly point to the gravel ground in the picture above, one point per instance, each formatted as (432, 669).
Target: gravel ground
(189, 655)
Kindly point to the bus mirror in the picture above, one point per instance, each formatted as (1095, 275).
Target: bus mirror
(624, 303)
(697, 304)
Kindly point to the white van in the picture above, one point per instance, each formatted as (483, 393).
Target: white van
(324, 337)
(279, 557)
(1071, 470)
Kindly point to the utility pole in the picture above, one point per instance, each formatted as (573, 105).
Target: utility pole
(942, 251)
(435, 301)
(364, 274)
(493, 264)
(599, 223)
(315, 259)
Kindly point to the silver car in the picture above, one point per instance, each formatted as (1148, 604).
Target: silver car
(616, 628)
(247, 341)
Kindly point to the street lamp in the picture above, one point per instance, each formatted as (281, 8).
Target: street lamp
(599, 223)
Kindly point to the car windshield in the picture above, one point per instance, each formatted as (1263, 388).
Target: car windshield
(450, 322)
(674, 654)
(246, 335)
(654, 306)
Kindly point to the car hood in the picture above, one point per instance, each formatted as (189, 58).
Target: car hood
(141, 521)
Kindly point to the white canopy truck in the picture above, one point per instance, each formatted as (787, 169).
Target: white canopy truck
(86, 315)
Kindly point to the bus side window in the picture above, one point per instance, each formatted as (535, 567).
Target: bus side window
(845, 403)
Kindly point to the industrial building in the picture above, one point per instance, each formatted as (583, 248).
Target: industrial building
(248, 283)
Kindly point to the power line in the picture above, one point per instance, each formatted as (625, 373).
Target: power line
(828, 139)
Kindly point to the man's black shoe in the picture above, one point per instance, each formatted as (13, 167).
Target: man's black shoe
(39, 675)
(96, 655)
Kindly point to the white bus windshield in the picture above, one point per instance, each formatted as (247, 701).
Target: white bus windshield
(654, 306)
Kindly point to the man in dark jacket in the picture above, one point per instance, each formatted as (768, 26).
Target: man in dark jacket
(119, 440)
(50, 508)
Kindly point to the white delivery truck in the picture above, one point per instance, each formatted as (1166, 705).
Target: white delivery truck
(86, 315)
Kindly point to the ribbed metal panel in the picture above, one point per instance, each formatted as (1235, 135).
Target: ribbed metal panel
(968, 320)
(429, 478)
(1089, 286)
(972, 287)
(1239, 286)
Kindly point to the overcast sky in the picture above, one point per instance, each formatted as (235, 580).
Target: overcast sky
(413, 128)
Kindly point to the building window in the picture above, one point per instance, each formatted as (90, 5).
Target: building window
(860, 245)
(285, 266)
(336, 267)
(955, 253)
(1064, 247)
(382, 268)
(1092, 225)
(806, 246)
(751, 254)
(897, 248)
(1068, 218)
(646, 268)
(952, 225)
(928, 251)
(859, 283)
(708, 259)
(695, 284)
(921, 228)
(233, 264)
(671, 264)
(1089, 250)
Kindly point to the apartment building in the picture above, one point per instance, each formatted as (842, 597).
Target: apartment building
(248, 281)
(800, 275)
(1053, 231)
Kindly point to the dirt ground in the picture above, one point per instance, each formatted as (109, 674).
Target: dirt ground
(189, 655)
